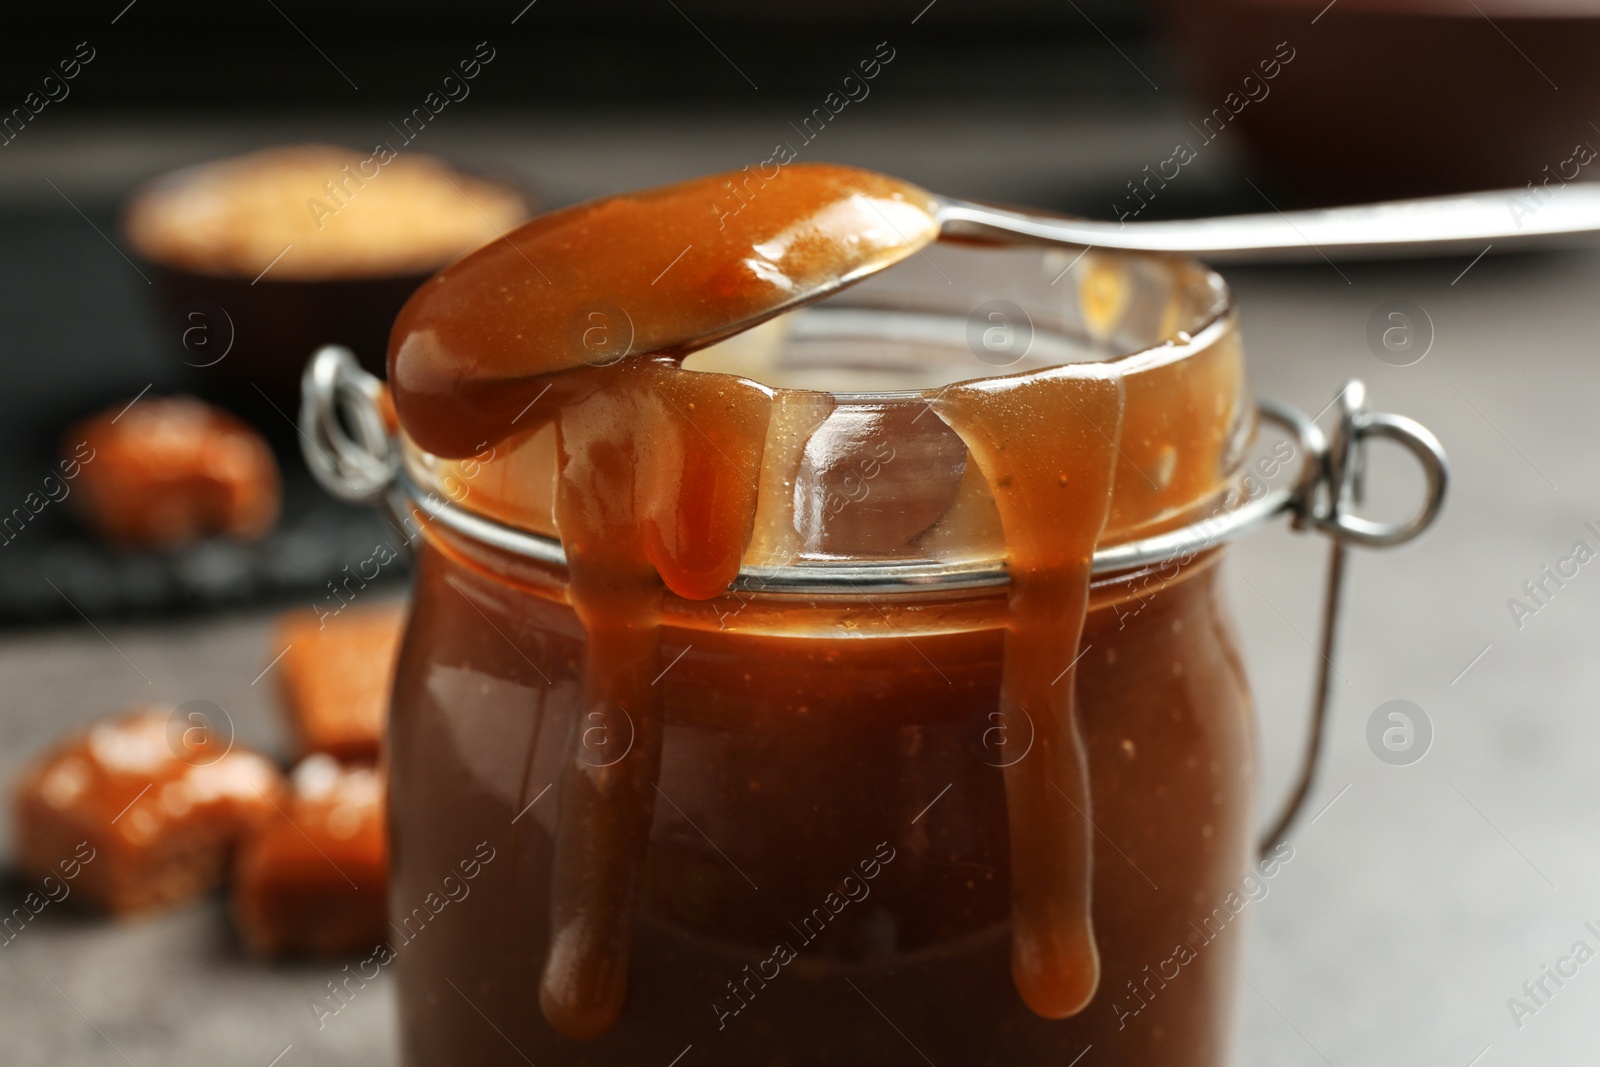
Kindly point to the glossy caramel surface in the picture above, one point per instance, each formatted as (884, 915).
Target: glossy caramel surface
(659, 272)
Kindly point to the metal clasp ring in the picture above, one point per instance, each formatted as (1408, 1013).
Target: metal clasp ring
(1331, 487)
(346, 442)
(1340, 479)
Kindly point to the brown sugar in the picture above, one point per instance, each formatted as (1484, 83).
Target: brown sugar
(327, 212)
(314, 878)
(163, 472)
(335, 678)
(150, 804)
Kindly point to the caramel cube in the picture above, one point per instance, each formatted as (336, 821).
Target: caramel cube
(149, 805)
(336, 676)
(313, 880)
(164, 472)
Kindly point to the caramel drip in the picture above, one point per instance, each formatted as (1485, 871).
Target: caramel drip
(1046, 444)
(579, 318)
(657, 490)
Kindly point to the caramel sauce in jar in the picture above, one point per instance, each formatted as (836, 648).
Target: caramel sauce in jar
(765, 826)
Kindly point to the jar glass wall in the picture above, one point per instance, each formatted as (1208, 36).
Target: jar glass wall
(827, 876)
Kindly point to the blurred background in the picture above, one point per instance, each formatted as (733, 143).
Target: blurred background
(1422, 896)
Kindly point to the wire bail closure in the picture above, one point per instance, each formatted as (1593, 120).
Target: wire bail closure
(353, 454)
(344, 436)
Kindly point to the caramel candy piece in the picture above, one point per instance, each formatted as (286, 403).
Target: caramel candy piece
(165, 472)
(148, 802)
(313, 880)
(336, 676)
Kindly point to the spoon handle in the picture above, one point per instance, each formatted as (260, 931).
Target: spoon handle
(1433, 226)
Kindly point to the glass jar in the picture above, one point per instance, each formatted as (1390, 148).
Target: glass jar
(827, 877)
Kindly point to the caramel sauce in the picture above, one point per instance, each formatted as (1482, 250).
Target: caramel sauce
(658, 273)
(579, 320)
(1045, 443)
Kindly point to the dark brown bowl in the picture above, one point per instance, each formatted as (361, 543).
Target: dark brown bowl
(243, 338)
(1391, 98)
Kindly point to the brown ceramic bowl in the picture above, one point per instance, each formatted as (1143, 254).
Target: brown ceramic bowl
(1391, 98)
(245, 322)
(237, 337)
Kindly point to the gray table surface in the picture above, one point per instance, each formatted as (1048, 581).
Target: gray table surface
(1419, 899)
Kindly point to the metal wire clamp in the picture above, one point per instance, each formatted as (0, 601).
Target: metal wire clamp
(352, 453)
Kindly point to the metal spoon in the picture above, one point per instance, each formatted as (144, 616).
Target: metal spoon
(1504, 219)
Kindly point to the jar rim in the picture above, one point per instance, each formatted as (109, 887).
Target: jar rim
(1182, 308)
(1227, 523)
(1210, 321)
